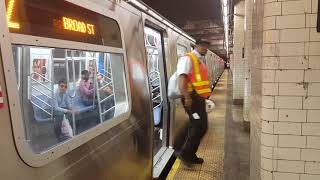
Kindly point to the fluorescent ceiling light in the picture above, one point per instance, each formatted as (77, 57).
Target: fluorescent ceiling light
(225, 9)
(225, 13)
(225, 18)
(225, 2)
(138, 4)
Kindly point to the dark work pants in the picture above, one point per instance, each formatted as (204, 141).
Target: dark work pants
(197, 127)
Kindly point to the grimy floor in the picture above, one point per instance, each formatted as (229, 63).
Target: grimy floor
(225, 147)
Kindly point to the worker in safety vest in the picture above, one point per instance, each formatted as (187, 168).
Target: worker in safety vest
(195, 88)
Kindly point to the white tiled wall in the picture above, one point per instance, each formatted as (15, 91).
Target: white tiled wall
(285, 91)
(256, 61)
(238, 61)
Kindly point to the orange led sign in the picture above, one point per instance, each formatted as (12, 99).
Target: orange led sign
(49, 19)
(9, 15)
(78, 26)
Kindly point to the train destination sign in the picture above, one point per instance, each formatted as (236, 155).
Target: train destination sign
(78, 26)
(50, 19)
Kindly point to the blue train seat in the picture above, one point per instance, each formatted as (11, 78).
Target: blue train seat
(39, 114)
(38, 106)
(157, 115)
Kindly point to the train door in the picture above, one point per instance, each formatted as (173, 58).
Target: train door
(157, 85)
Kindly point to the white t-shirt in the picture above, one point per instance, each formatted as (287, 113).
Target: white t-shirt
(184, 65)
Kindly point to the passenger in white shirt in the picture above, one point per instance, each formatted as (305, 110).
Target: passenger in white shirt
(62, 108)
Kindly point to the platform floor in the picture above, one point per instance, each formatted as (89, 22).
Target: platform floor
(225, 147)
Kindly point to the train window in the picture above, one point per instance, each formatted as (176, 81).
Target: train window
(181, 50)
(66, 92)
(60, 19)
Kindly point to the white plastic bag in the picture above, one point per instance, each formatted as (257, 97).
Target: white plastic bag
(210, 105)
(66, 129)
(173, 87)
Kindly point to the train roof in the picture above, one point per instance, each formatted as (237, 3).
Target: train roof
(151, 12)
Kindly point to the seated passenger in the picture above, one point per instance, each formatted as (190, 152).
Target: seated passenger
(62, 107)
(105, 93)
(108, 89)
(86, 88)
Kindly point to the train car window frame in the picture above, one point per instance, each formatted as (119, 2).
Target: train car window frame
(9, 39)
(179, 45)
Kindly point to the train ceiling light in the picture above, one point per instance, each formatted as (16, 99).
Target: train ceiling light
(225, 15)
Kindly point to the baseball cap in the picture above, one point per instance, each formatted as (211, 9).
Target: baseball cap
(202, 41)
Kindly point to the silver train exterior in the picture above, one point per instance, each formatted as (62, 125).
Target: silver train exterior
(122, 148)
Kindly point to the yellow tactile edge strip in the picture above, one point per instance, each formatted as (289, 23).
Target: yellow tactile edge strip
(174, 169)
(177, 163)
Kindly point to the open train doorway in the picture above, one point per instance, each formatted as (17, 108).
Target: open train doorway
(157, 85)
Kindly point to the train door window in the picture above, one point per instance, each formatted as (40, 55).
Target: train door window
(66, 92)
(181, 50)
(154, 42)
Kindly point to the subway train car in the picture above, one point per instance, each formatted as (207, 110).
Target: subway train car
(124, 126)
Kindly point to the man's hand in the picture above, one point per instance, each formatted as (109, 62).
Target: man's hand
(71, 111)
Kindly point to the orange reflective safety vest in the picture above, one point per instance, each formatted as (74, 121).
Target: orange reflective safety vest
(198, 77)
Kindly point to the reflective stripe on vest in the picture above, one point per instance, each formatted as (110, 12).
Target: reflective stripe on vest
(195, 66)
(199, 82)
(202, 91)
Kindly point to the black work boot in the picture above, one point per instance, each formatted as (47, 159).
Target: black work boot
(183, 159)
(197, 161)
